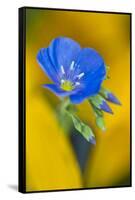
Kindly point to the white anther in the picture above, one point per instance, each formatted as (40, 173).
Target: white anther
(77, 83)
(62, 80)
(72, 65)
(80, 75)
(62, 69)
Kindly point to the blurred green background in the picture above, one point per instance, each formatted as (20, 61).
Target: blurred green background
(55, 160)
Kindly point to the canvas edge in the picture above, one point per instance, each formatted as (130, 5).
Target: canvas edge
(21, 104)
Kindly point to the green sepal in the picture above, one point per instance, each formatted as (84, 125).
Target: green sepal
(100, 123)
(109, 96)
(96, 100)
(99, 118)
(69, 110)
(104, 92)
(81, 127)
(97, 111)
(107, 72)
(99, 102)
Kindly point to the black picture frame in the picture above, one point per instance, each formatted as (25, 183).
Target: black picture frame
(22, 98)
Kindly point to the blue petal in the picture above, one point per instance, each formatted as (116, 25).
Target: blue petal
(92, 65)
(85, 92)
(92, 140)
(59, 92)
(113, 99)
(46, 64)
(63, 51)
(90, 61)
(104, 106)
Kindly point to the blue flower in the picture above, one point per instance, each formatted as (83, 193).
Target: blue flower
(76, 72)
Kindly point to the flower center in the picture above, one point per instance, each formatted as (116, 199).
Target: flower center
(67, 85)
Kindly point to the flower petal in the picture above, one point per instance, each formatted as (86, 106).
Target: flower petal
(112, 98)
(91, 65)
(92, 140)
(59, 92)
(109, 96)
(90, 61)
(63, 51)
(105, 107)
(46, 64)
(100, 103)
(91, 90)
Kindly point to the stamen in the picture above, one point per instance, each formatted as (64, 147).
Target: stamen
(77, 83)
(62, 81)
(72, 65)
(62, 69)
(80, 75)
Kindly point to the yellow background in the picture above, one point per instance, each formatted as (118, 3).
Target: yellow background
(50, 160)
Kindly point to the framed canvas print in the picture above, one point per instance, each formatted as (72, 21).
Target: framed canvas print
(74, 99)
